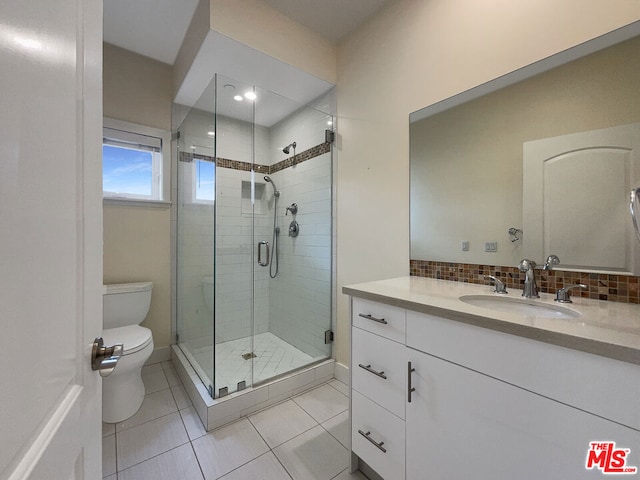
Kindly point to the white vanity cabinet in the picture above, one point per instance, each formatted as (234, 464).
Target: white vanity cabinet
(463, 425)
(484, 404)
(378, 379)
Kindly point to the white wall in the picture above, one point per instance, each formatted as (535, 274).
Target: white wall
(137, 244)
(412, 54)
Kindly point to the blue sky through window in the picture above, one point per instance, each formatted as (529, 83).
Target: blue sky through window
(205, 180)
(126, 171)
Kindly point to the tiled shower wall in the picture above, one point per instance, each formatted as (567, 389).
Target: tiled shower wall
(300, 306)
(296, 305)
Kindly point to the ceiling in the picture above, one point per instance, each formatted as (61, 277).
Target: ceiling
(155, 28)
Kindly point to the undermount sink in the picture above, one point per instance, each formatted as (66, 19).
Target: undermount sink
(522, 306)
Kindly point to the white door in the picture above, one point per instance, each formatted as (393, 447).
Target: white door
(50, 238)
(576, 199)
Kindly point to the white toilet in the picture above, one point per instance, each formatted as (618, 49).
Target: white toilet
(125, 306)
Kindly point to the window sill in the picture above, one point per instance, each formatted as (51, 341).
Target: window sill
(130, 202)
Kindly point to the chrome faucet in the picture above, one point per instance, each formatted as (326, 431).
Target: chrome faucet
(530, 288)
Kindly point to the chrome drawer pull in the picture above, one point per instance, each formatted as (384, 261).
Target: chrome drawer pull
(369, 317)
(410, 389)
(379, 445)
(371, 370)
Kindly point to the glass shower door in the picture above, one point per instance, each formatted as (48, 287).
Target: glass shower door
(234, 255)
(293, 217)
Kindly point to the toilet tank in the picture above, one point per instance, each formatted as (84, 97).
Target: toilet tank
(125, 303)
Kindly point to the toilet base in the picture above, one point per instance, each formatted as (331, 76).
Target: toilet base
(122, 396)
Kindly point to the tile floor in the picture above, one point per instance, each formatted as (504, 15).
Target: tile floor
(274, 356)
(304, 438)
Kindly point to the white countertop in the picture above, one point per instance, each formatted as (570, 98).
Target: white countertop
(609, 329)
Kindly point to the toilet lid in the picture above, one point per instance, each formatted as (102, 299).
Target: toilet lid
(133, 337)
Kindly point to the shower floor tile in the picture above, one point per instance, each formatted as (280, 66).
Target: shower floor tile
(273, 357)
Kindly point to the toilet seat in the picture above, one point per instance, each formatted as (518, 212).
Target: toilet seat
(133, 338)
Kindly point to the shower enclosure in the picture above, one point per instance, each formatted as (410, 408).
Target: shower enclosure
(254, 235)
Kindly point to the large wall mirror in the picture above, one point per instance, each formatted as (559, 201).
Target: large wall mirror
(535, 163)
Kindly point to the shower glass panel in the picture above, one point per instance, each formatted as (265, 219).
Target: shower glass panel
(195, 239)
(253, 301)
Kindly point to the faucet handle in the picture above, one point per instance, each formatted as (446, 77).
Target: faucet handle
(551, 261)
(526, 265)
(500, 286)
(563, 295)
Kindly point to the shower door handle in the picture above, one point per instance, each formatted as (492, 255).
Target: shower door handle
(260, 262)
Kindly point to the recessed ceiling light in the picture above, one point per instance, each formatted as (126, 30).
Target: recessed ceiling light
(329, 122)
(228, 85)
(193, 147)
(250, 95)
(211, 134)
(238, 98)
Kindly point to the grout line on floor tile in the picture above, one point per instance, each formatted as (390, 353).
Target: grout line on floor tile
(295, 436)
(197, 459)
(154, 456)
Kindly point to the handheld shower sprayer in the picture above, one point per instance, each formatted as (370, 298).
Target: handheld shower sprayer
(273, 261)
(276, 192)
(291, 145)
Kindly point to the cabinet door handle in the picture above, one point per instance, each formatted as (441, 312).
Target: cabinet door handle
(369, 317)
(367, 436)
(410, 389)
(371, 370)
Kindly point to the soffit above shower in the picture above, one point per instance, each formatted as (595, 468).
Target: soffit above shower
(221, 54)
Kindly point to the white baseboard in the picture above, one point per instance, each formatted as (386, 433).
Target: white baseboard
(341, 372)
(160, 354)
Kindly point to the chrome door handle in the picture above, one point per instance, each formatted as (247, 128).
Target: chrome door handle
(369, 317)
(104, 359)
(367, 435)
(371, 370)
(260, 262)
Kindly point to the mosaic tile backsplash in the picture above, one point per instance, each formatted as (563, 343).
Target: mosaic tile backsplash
(614, 288)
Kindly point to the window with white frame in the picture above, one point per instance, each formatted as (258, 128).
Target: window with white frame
(134, 164)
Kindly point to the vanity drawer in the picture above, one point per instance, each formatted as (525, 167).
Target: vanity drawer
(379, 370)
(381, 426)
(379, 318)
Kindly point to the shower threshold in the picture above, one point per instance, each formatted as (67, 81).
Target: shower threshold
(217, 412)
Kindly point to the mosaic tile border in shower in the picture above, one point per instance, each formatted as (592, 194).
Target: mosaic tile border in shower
(614, 288)
(308, 154)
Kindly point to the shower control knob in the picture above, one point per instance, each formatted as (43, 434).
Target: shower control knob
(294, 229)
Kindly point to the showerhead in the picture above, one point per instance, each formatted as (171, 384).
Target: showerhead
(276, 192)
(286, 149)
